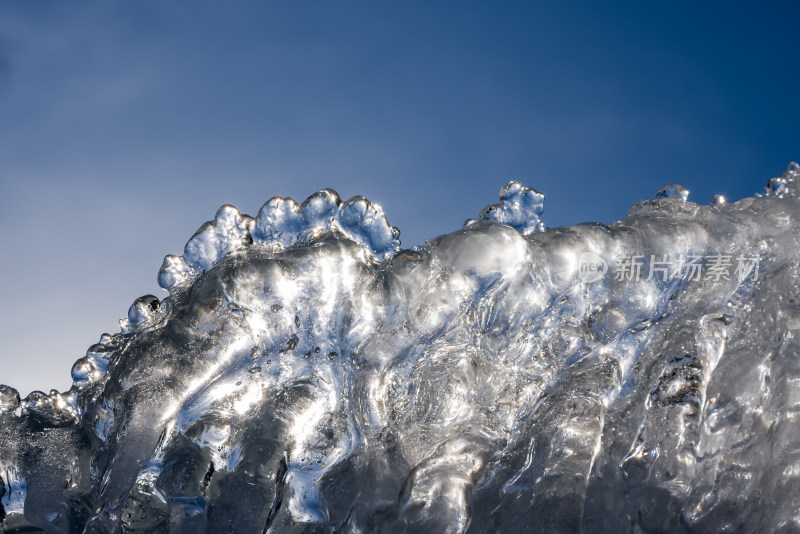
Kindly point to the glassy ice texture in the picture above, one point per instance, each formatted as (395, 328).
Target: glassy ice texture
(305, 374)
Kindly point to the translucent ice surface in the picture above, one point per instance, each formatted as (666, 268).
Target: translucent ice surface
(306, 374)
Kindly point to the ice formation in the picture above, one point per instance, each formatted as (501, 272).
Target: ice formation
(305, 374)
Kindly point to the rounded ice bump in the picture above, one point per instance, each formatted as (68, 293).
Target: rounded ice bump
(364, 222)
(9, 399)
(520, 207)
(228, 231)
(141, 312)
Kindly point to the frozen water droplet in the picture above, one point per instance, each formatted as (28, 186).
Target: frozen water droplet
(83, 370)
(673, 191)
(793, 167)
(718, 200)
(777, 187)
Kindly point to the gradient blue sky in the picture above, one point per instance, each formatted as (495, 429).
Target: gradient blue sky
(124, 126)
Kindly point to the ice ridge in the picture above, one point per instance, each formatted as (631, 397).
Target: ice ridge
(306, 374)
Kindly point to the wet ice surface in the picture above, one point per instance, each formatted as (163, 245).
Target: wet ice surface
(305, 374)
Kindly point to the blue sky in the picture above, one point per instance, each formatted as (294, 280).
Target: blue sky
(124, 126)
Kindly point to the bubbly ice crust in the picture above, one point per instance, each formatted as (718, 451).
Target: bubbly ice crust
(305, 374)
(280, 224)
